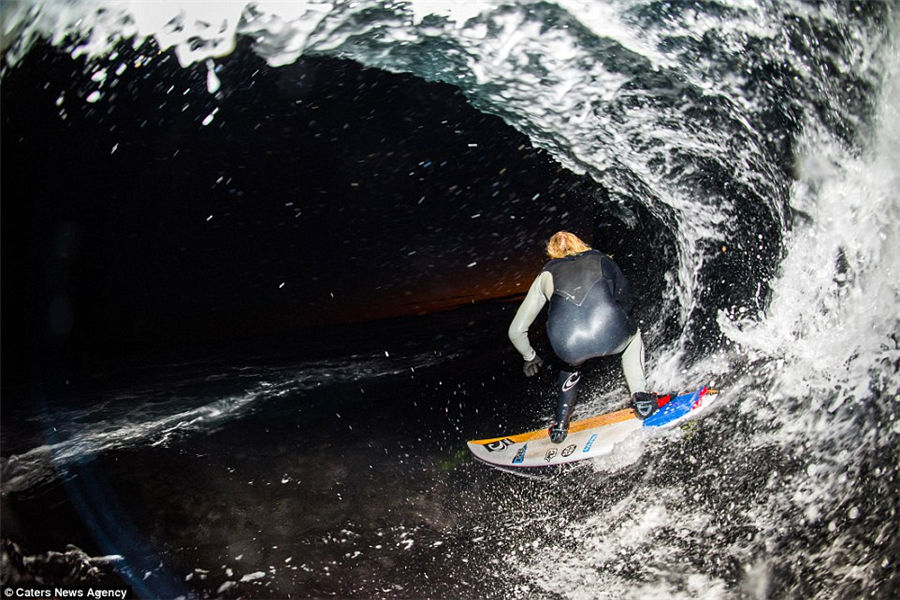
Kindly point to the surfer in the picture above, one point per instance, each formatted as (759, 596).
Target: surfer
(588, 317)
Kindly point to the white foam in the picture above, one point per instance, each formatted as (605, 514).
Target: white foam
(835, 303)
(457, 12)
(826, 342)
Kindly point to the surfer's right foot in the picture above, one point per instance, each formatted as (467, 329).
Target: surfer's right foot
(558, 433)
(645, 404)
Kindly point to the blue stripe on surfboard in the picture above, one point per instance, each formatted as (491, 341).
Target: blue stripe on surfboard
(675, 409)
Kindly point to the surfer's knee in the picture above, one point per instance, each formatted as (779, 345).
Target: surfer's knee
(633, 364)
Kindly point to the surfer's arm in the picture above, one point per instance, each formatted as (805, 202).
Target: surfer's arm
(540, 290)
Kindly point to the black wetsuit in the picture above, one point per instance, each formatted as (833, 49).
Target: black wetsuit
(588, 314)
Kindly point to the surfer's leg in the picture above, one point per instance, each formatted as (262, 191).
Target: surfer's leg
(567, 388)
(644, 402)
(633, 364)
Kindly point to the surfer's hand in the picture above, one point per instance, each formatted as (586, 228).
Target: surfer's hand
(532, 366)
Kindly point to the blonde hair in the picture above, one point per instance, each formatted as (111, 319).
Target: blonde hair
(564, 244)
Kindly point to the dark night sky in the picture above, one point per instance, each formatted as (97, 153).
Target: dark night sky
(320, 192)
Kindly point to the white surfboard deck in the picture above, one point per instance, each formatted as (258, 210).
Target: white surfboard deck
(588, 438)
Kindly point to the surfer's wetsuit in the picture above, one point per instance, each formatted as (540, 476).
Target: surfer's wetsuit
(588, 317)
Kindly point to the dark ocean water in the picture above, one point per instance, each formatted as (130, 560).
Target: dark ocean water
(259, 262)
(334, 477)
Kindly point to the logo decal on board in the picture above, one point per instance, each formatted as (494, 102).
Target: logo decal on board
(550, 454)
(498, 445)
(568, 450)
(590, 442)
(520, 455)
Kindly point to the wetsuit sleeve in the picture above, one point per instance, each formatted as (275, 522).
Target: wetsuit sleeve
(541, 289)
(621, 288)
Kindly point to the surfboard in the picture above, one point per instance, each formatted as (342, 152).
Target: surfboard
(588, 438)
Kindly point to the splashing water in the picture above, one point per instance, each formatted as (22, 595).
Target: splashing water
(764, 138)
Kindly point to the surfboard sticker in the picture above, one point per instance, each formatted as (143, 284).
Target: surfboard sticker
(594, 436)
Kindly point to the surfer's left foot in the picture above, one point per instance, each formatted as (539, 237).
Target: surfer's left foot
(558, 433)
(645, 404)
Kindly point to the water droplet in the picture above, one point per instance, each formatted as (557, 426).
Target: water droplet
(209, 118)
(212, 81)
